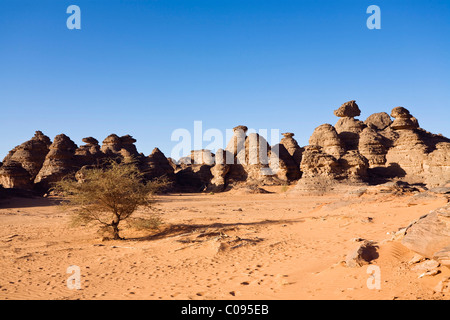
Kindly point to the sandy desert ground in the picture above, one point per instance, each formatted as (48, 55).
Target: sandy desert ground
(218, 246)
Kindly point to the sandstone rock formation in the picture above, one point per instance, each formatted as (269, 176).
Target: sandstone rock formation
(292, 147)
(373, 146)
(23, 163)
(89, 153)
(30, 154)
(378, 121)
(59, 162)
(328, 139)
(13, 175)
(123, 146)
(156, 165)
(349, 109)
(430, 236)
(219, 172)
(403, 119)
(38, 163)
(352, 152)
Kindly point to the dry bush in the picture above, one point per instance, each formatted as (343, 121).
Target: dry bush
(109, 195)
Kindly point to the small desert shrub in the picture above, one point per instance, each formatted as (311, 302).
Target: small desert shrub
(285, 187)
(110, 195)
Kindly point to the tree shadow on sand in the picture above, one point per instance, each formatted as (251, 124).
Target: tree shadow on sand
(180, 229)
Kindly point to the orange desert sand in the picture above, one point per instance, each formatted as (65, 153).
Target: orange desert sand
(218, 246)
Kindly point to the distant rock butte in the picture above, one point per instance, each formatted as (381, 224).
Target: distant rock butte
(352, 152)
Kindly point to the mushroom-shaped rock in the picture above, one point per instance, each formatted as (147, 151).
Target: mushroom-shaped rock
(292, 147)
(90, 141)
(349, 109)
(403, 119)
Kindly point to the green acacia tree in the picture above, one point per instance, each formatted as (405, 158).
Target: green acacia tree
(109, 195)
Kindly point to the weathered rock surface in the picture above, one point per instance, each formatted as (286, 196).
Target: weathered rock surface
(363, 254)
(378, 121)
(316, 163)
(327, 137)
(30, 155)
(156, 165)
(123, 146)
(89, 153)
(348, 109)
(59, 162)
(292, 147)
(352, 152)
(430, 235)
(373, 146)
(403, 119)
(349, 130)
(13, 175)
(219, 172)
(283, 164)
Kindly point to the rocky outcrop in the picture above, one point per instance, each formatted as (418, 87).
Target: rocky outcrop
(403, 119)
(378, 121)
(347, 127)
(283, 165)
(354, 166)
(292, 147)
(13, 175)
(352, 152)
(348, 110)
(89, 153)
(156, 165)
(328, 139)
(59, 162)
(373, 146)
(31, 154)
(202, 157)
(430, 235)
(22, 164)
(219, 172)
(124, 147)
(437, 165)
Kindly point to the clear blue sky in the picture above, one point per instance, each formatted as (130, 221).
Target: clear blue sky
(146, 68)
